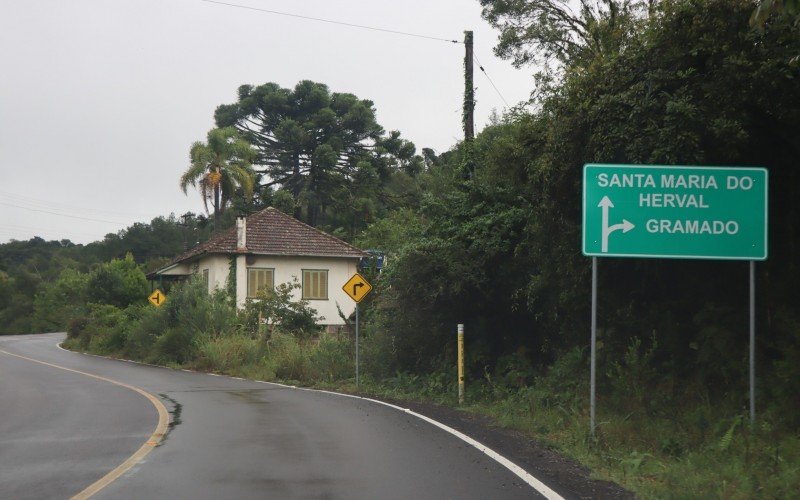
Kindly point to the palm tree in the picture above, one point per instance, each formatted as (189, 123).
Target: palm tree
(219, 167)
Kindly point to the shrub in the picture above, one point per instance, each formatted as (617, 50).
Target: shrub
(228, 353)
(188, 318)
(76, 326)
(332, 358)
(118, 283)
(144, 331)
(286, 357)
(55, 304)
(278, 308)
(93, 333)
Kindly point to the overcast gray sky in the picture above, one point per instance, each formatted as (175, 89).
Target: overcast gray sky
(100, 100)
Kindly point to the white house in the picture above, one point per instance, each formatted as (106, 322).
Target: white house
(269, 248)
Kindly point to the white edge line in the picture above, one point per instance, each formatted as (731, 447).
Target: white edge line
(528, 478)
(534, 483)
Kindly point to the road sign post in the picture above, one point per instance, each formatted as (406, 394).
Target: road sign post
(752, 342)
(357, 287)
(593, 348)
(674, 212)
(357, 364)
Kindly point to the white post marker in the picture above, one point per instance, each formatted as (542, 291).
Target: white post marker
(460, 364)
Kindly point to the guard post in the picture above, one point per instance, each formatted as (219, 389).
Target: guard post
(460, 364)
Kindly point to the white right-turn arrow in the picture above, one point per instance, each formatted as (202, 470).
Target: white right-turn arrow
(625, 226)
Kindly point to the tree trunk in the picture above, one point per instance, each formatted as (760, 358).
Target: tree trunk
(296, 187)
(217, 207)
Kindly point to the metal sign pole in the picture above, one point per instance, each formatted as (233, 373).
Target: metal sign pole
(752, 341)
(592, 384)
(357, 288)
(356, 344)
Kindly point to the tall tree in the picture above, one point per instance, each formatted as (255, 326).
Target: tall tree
(311, 141)
(220, 166)
(560, 31)
(788, 8)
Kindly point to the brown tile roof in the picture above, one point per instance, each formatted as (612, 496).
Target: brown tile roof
(271, 232)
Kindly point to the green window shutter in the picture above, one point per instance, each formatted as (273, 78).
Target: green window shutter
(259, 279)
(315, 284)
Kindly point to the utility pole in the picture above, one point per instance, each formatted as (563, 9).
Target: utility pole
(469, 89)
(468, 170)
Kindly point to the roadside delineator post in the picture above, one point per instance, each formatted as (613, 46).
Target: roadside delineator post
(461, 364)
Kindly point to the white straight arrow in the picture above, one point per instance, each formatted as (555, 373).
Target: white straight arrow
(626, 226)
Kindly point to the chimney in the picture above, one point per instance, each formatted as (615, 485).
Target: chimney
(241, 234)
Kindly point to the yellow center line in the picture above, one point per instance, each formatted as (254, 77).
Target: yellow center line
(147, 447)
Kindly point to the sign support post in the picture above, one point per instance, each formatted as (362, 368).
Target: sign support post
(593, 367)
(752, 342)
(356, 345)
(675, 212)
(357, 287)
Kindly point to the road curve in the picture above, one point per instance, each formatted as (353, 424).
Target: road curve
(229, 438)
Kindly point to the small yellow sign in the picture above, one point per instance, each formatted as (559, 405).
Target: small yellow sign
(157, 298)
(357, 287)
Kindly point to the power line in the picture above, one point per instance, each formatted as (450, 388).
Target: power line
(63, 215)
(51, 205)
(490, 80)
(341, 23)
(14, 229)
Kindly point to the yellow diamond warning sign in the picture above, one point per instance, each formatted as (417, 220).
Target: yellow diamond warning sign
(357, 287)
(157, 298)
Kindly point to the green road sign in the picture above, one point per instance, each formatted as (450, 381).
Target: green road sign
(675, 212)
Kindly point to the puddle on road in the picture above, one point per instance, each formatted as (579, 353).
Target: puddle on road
(174, 416)
(252, 396)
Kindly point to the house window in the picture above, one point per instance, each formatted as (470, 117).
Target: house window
(205, 277)
(315, 284)
(259, 279)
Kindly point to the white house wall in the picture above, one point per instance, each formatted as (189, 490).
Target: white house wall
(181, 269)
(218, 268)
(287, 269)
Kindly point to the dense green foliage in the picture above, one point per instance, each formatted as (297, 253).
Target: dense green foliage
(43, 282)
(199, 330)
(790, 9)
(502, 252)
(556, 31)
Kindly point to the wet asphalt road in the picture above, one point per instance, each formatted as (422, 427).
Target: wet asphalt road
(61, 431)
